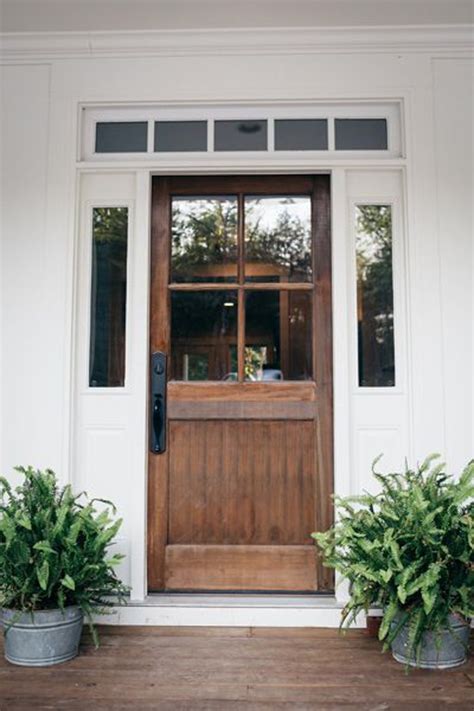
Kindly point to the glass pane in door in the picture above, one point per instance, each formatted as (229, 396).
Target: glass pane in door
(278, 328)
(278, 239)
(204, 239)
(203, 335)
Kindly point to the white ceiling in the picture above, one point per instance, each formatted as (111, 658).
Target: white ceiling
(88, 15)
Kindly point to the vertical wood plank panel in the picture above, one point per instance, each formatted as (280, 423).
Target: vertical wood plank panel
(238, 482)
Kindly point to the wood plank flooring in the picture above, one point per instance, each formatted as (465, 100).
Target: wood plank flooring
(232, 668)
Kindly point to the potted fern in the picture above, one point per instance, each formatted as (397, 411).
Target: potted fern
(54, 568)
(409, 549)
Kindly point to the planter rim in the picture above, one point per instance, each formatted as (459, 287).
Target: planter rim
(36, 619)
(40, 619)
(45, 610)
(455, 617)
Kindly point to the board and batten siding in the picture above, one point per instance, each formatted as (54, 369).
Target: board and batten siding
(97, 440)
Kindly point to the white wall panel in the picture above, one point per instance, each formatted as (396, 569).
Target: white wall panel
(106, 466)
(372, 442)
(423, 264)
(454, 132)
(31, 361)
(240, 78)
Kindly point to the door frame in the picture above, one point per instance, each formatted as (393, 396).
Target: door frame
(157, 513)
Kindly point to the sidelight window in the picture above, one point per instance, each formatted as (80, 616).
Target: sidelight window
(108, 296)
(375, 316)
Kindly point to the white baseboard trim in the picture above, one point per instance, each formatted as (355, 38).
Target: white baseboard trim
(230, 611)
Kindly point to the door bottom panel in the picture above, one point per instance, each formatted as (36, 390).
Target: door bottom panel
(240, 568)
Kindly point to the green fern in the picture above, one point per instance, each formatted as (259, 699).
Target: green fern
(53, 548)
(408, 549)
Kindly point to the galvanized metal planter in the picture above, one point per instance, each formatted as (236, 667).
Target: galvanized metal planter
(447, 649)
(48, 637)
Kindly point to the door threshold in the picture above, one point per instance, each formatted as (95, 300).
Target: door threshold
(231, 600)
(230, 610)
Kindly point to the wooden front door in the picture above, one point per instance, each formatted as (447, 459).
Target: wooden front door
(241, 306)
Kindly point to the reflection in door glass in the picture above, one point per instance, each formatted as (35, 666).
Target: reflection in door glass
(108, 297)
(278, 335)
(203, 335)
(278, 239)
(375, 295)
(204, 239)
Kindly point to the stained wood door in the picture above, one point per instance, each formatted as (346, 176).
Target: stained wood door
(241, 305)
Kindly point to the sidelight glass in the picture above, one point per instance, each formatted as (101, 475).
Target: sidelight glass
(204, 239)
(204, 335)
(278, 239)
(375, 323)
(108, 296)
(278, 326)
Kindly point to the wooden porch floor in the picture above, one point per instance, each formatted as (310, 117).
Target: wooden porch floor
(232, 668)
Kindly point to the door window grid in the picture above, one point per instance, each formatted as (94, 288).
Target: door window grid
(290, 315)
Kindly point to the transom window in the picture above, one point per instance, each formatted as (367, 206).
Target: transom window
(151, 132)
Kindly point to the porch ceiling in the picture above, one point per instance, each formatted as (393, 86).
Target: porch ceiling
(119, 15)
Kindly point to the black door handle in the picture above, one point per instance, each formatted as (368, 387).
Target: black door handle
(158, 403)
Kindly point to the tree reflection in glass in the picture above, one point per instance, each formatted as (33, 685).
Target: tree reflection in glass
(375, 295)
(108, 297)
(278, 335)
(204, 239)
(278, 238)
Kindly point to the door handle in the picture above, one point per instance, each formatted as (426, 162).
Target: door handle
(158, 403)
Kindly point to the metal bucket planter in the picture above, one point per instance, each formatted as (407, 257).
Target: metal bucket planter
(443, 650)
(48, 637)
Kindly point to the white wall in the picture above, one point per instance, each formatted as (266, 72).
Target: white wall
(42, 286)
(454, 131)
(33, 320)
